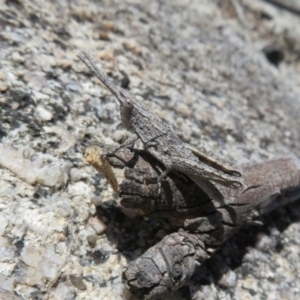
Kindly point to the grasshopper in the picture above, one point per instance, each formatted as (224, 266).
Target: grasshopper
(164, 144)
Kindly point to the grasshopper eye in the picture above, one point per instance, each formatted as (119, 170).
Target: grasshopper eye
(129, 104)
(127, 100)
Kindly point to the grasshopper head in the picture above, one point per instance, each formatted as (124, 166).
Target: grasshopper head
(126, 101)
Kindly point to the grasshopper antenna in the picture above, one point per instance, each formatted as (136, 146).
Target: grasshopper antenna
(87, 60)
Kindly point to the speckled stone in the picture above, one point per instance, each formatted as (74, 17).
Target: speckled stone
(77, 281)
(200, 67)
(228, 279)
(97, 224)
(3, 76)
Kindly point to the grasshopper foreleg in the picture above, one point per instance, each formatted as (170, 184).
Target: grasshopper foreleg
(127, 143)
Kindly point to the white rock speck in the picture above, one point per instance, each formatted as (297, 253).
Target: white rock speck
(31, 256)
(6, 283)
(3, 76)
(17, 58)
(228, 279)
(98, 225)
(43, 114)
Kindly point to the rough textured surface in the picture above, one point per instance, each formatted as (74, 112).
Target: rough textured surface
(202, 68)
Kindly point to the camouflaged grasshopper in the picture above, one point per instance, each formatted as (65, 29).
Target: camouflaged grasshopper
(165, 145)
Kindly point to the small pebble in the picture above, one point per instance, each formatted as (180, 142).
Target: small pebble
(92, 210)
(41, 96)
(104, 36)
(17, 58)
(183, 109)
(250, 283)
(3, 76)
(96, 200)
(63, 63)
(8, 295)
(31, 256)
(99, 257)
(97, 224)
(264, 242)
(120, 136)
(62, 291)
(228, 279)
(77, 281)
(3, 87)
(34, 80)
(75, 174)
(43, 114)
(14, 105)
(6, 283)
(92, 240)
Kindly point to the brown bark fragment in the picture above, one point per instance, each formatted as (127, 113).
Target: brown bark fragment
(204, 224)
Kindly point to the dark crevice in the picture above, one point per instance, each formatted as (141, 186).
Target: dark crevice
(252, 187)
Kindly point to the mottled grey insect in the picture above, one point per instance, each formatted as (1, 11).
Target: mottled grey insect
(165, 145)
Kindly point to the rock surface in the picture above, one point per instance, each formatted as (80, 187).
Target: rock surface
(201, 66)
